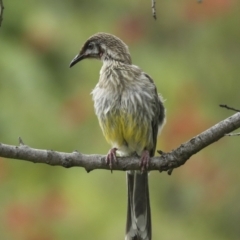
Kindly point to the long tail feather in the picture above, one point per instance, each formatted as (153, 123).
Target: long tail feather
(138, 212)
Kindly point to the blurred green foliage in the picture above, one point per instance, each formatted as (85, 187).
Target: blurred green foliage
(192, 52)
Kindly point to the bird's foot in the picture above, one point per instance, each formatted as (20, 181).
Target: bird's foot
(145, 159)
(111, 157)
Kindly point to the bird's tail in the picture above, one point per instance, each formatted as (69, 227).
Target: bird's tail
(138, 212)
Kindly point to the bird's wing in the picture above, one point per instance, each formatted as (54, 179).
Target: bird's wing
(158, 119)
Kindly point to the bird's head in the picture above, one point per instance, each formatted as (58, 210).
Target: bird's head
(105, 47)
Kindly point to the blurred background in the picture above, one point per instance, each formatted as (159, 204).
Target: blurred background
(192, 52)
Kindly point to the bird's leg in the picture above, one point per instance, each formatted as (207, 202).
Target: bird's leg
(111, 157)
(145, 159)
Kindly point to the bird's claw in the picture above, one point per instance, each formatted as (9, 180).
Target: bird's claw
(145, 159)
(111, 157)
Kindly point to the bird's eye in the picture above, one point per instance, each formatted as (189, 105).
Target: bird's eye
(90, 46)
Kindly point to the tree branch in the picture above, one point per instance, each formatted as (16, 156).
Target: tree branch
(232, 134)
(1, 12)
(154, 9)
(165, 162)
(229, 108)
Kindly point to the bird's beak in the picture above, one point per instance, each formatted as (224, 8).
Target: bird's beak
(77, 59)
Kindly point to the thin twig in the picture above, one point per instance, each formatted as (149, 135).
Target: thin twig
(154, 9)
(20, 141)
(165, 162)
(229, 108)
(232, 134)
(1, 12)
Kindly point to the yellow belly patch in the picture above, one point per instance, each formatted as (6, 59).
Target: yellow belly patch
(125, 130)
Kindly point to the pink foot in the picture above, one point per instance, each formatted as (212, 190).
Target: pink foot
(145, 159)
(111, 157)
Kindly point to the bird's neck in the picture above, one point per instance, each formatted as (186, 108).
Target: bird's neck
(109, 78)
(116, 57)
(110, 65)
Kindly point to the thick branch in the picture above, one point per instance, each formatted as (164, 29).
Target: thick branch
(166, 162)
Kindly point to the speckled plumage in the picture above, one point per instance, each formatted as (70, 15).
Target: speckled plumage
(130, 113)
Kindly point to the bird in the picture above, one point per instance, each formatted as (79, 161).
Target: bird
(131, 113)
